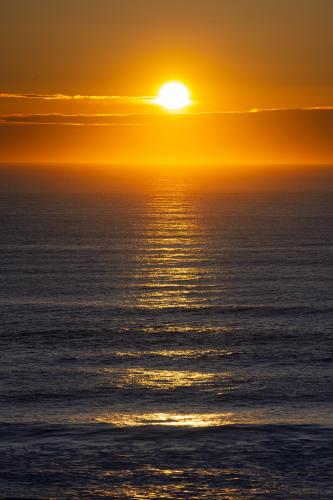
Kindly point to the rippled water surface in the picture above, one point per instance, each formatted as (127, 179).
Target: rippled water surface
(166, 345)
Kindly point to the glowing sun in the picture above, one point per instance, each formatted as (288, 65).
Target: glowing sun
(174, 96)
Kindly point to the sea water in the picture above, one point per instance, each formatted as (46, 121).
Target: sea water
(167, 344)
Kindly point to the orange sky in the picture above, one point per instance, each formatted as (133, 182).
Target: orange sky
(77, 80)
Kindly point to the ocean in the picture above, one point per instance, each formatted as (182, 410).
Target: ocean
(167, 344)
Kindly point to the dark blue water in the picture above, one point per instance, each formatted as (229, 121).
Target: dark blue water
(166, 345)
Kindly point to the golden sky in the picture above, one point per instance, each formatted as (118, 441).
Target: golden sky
(78, 79)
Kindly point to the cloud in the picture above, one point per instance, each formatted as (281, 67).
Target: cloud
(158, 117)
(76, 97)
(262, 137)
(64, 120)
(307, 108)
(99, 119)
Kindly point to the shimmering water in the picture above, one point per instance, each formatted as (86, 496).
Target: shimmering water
(166, 345)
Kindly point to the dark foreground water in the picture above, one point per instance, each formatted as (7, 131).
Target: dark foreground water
(169, 345)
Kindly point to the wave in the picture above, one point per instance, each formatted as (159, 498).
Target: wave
(156, 309)
(103, 461)
(10, 433)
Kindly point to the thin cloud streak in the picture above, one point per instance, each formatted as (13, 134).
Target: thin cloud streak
(119, 119)
(70, 120)
(304, 108)
(74, 124)
(76, 115)
(75, 97)
(144, 99)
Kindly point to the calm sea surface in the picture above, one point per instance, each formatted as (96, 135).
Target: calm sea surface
(166, 345)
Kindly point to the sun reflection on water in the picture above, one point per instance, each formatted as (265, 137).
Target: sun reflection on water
(170, 492)
(172, 270)
(163, 379)
(171, 263)
(172, 353)
(167, 419)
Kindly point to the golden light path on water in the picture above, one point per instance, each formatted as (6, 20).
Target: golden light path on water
(175, 490)
(162, 379)
(170, 353)
(170, 265)
(170, 260)
(167, 419)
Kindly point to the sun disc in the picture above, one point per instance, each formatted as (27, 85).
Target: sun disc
(174, 96)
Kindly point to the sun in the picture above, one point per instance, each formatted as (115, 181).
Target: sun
(174, 96)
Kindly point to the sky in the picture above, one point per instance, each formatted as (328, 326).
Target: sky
(79, 77)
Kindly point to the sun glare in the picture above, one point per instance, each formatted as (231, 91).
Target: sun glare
(174, 96)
